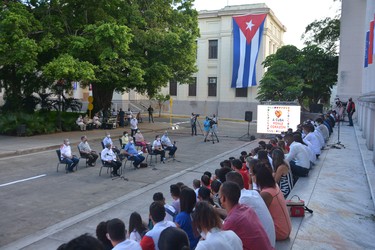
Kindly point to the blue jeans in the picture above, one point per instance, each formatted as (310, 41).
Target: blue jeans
(298, 170)
(137, 159)
(171, 150)
(350, 115)
(71, 162)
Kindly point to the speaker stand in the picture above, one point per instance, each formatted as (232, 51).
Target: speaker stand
(247, 136)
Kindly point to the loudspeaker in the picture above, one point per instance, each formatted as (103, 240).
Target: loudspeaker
(248, 116)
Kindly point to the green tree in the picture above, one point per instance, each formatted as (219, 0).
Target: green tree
(19, 51)
(136, 44)
(305, 75)
(281, 81)
(319, 71)
(161, 99)
(324, 33)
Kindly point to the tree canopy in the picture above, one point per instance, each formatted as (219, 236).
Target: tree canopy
(113, 45)
(305, 75)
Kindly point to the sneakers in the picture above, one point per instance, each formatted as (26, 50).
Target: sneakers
(135, 166)
(164, 160)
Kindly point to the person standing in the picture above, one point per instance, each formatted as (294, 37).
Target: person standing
(133, 126)
(206, 128)
(67, 157)
(193, 122)
(121, 116)
(129, 115)
(85, 150)
(350, 108)
(150, 114)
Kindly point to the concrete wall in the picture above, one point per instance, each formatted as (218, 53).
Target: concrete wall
(355, 80)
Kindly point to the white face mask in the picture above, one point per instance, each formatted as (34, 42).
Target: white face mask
(131, 142)
(126, 134)
(109, 136)
(67, 143)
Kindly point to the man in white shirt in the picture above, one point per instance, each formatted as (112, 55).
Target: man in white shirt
(322, 129)
(133, 125)
(298, 157)
(157, 214)
(166, 142)
(109, 158)
(308, 130)
(67, 157)
(107, 140)
(253, 199)
(117, 235)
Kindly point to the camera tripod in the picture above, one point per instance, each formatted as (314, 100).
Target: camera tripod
(199, 125)
(212, 135)
(338, 145)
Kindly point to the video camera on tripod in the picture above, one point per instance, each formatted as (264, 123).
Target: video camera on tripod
(212, 121)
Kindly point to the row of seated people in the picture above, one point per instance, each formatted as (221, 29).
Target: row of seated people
(129, 150)
(112, 155)
(85, 123)
(217, 212)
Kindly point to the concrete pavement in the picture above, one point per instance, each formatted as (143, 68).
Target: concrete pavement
(339, 189)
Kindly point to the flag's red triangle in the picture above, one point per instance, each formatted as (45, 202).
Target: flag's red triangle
(249, 24)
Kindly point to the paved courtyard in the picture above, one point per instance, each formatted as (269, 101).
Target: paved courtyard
(44, 212)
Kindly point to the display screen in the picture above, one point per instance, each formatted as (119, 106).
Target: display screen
(274, 119)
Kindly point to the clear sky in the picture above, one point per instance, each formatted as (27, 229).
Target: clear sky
(295, 15)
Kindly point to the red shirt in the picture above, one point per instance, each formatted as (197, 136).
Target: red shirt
(246, 178)
(245, 223)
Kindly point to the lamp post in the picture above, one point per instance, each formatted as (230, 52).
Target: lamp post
(59, 87)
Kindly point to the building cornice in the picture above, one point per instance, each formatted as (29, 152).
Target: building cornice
(237, 10)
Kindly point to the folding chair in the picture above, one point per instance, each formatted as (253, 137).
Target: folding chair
(104, 165)
(60, 162)
(151, 153)
(83, 156)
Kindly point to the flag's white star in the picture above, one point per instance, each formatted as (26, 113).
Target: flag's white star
(250, 25)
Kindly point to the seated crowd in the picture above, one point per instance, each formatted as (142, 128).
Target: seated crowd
(113, 156)
(241, 206)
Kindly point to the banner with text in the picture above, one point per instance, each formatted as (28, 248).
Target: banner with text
(274, 119)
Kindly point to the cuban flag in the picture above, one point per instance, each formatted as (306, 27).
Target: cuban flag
(247, 37)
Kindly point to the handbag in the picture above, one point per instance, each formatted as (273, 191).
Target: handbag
(297, 207)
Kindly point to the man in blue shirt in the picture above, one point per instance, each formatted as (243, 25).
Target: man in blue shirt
(133, 154)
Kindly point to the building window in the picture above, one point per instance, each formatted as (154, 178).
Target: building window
(193, 87)
(173, 87)
(212, 49)
(212, 85)
(242, 92)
